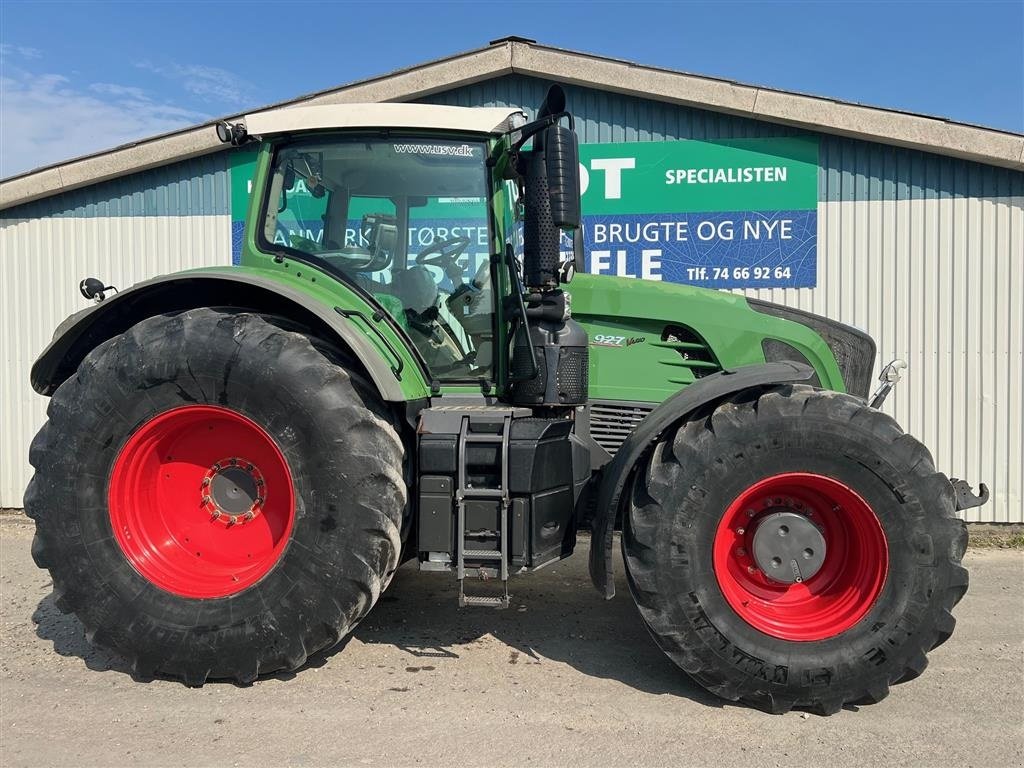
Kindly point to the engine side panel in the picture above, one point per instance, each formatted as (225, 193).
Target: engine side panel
(648, 340)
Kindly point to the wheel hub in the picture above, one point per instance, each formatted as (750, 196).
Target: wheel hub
(233, 490)
(800, 556)
(788, 548)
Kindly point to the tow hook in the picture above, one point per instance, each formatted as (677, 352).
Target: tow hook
(965, 497)
(889, 377)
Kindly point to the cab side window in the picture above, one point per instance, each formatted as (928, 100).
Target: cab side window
(301, 216)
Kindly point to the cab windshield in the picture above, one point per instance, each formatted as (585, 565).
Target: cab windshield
(407, 221)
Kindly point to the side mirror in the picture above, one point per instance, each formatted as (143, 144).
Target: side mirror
(562, 157)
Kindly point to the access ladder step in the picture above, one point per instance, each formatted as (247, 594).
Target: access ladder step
(484, 437)
(483, 493)
(500, 601)
(482, 554)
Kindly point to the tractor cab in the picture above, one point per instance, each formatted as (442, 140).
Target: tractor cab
(407, 220)
(431, 214)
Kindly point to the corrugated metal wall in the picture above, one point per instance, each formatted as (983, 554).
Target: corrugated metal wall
(124, 231)
(924, 252)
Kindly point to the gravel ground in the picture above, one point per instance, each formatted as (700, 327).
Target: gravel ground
(561, 677)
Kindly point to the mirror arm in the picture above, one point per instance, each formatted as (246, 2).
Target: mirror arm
(530, 130)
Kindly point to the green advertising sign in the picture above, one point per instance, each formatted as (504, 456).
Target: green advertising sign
(691, 176)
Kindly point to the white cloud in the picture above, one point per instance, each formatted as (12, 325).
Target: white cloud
(122, 91)
(46, 118)
(19, 51)
(211, 84)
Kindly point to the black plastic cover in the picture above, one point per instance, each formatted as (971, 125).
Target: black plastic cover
(776, 351)
(563, 363)
(854, 350)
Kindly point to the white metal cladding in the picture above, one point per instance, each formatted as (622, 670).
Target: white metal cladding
(163, 221)
(43, 260)
(924, 252)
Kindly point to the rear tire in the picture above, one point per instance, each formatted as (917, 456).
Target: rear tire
(197, 565)
(891, 573)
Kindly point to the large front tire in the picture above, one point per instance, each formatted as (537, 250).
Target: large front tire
(705, 543)
(216, 496)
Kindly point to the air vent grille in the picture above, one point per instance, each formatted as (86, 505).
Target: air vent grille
(612, 422)
(691, 352)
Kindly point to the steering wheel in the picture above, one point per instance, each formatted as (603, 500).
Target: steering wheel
(444, 253)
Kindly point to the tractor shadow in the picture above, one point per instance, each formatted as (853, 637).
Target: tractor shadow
(67, 635)
(556, 615)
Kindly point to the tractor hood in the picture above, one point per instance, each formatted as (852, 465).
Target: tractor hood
(648, 339)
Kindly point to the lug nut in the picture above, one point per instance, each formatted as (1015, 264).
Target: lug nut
(740, 531)
(741, 552)
(751, 570)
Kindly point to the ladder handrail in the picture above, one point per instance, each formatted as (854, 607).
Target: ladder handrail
(463, 491)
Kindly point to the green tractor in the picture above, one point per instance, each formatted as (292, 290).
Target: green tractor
(238, 459)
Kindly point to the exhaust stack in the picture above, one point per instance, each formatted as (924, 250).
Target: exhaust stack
(549, 366)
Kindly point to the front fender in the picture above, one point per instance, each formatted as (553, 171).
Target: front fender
(388, 362)
(617, 473)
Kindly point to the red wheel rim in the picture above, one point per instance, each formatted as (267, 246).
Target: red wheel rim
(201, 501)
(834, 598)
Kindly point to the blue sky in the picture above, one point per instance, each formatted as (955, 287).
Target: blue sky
(80, 77)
